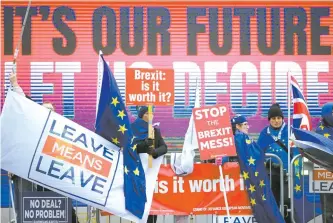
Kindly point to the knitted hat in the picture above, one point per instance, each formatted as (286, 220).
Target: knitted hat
(141, 110)
(238, 119)
(275, 111)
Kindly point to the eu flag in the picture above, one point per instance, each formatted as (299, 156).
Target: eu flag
(112, 123)
(306, 204)
(317, 147)
(251, 160)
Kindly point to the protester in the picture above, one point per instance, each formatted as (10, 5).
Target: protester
(274, 139)
(251, 161)
(155, 147)
(21, 185)
(325, 128)
(239, 123)
(140, 131)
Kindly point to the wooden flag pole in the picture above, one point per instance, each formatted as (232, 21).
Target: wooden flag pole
(150, 133)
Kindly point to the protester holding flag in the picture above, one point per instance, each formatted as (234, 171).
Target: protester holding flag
(239, 123)
(274, 139)
(144, 144)
(22, 185)
(251, 160)
(325, 128)
(140, 131)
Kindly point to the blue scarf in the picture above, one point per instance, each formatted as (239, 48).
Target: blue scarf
(140, 129)
(267, 142)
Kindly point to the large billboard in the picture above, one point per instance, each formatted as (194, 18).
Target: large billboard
(240, 52)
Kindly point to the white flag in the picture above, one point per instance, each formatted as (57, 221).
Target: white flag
(182, 163)
(44, 147)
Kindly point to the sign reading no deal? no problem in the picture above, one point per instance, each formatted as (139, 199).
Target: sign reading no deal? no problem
(46, 207)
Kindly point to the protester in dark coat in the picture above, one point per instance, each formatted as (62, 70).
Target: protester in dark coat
(144, 144)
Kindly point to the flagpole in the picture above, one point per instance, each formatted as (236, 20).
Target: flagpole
(289, 113)
(17, 49)
(224, 192)
(150, 132)
(99, 79)
(21, 37)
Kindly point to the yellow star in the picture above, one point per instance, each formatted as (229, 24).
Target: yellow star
(252, 188)
(327, 135)
(134, 147)
(245, 175)
(115, 101)
(322, 127)
(296, 163)
(298, 175)
(253, 201)
(126, 170)
(136, 172)
(256, 174)
(121, 114)
(262, 183)
(248, 141)
(122, 128)
(115, 140)
(297, 188)
(263, 197)
(251, 160)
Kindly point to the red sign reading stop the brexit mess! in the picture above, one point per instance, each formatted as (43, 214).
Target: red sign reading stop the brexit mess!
(214, 132)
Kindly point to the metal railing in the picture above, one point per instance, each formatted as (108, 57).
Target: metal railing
(306, 166)
(88, 211)
(92, 214)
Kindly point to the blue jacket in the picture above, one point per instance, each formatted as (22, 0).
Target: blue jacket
(268, 144)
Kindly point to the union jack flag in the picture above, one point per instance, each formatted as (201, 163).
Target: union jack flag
(301, 120)
(301, 116)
